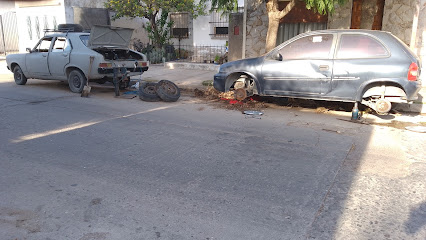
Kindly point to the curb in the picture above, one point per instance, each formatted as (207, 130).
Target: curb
(192, 66)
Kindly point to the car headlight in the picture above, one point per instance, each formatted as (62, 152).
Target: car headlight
(222, 70)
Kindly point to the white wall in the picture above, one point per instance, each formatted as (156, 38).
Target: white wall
(201, 30)
(51, 13)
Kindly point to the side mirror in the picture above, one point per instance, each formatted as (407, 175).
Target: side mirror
(28, 50)
(278, 57)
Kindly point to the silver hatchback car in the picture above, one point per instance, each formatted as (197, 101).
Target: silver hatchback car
(72, 55)
(374, 68)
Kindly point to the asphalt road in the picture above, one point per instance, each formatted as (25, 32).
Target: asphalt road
(114, 168)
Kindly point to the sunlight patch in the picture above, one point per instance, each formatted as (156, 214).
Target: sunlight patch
(75, 126)
(56, 131)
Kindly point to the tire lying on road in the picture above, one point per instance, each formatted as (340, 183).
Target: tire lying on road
(168, 91)
(148, 92)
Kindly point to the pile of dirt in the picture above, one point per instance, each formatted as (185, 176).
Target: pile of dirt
(227, 100)
(257, 102)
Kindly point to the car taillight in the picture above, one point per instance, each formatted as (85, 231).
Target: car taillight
(105, 65)
(413, 72)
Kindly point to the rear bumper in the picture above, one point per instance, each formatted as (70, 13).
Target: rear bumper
(131, 71)
(413, 89)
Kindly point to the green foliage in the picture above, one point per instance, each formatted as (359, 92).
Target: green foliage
(323, 6)
(161, 35)
(224, 6)
(156, 11)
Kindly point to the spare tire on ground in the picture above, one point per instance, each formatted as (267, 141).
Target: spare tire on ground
(148, 92)
(168, 91)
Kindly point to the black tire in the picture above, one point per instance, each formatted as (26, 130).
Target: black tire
(147, 92)
(168, 91)
(19, 76)
(76, 81)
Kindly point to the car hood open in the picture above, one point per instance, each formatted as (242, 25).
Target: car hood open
(107, 36)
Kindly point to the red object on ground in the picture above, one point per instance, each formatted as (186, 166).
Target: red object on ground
(231, 101)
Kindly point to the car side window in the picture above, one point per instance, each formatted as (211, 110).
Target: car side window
(360, 46)
(61, 44)
(43, 45)
(309, 47)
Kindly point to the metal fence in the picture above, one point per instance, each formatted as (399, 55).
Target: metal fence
(9, 41)
(289, 30)
(187, 53)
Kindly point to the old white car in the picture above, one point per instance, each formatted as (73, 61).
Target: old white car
(69, 54)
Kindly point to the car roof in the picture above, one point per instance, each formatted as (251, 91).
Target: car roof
(64, 34)
(362, 31)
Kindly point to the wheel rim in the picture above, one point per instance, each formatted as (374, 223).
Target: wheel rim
(168, 88)
(76, 81)
(18, 75)
(150, 89)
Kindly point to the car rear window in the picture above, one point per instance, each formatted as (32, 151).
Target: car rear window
(85, 39)
(360, 46)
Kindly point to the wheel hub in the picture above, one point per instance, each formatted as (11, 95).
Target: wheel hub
(150, 89)
(76, 81)
(383, 106)
(168, 88)
(240, 94)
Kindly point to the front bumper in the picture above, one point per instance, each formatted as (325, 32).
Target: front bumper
(219, 81)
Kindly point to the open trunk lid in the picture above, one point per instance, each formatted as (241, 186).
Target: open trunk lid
(107, 36)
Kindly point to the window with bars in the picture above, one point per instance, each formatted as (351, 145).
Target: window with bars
(180, 26)
(219, 24)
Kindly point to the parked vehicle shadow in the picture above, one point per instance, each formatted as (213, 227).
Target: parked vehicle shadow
(417, 219)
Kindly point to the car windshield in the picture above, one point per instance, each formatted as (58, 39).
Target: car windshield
(85, 39)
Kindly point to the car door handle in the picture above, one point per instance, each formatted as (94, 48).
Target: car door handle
(65, 54)
(323, 67)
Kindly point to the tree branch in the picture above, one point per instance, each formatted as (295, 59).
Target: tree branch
(287, 9)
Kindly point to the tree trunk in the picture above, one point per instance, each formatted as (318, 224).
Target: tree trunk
(157, 42)
(274, 16)
(271, 36)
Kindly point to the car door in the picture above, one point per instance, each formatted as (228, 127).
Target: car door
(36, 60)
(358, 56)
(59, 57)
(304, 66)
